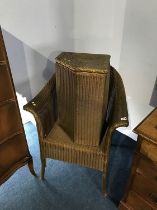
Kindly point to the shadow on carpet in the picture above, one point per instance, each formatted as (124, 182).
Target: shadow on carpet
(68, 186)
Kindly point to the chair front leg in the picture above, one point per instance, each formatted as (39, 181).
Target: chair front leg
(43, 165)
(104, 183)
(104, 178)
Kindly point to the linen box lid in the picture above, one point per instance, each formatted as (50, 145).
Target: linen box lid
(85, 62)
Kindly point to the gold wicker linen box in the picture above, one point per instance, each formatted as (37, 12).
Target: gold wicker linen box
(82, 82)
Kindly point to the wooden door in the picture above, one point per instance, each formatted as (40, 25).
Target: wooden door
(14, 151)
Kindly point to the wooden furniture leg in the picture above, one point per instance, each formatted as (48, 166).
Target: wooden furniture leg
(31, 168)
(43, 165)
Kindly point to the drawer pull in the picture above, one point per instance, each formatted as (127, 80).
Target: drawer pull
(153, 197)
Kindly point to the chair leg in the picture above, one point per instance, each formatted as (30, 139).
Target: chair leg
(31, 168)
(43, 165)
(104, 190)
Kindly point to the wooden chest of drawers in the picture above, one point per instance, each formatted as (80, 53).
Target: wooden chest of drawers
(14, 152)
(141, 192)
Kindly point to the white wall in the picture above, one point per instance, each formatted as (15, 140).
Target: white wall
(138, 61)
(35, 32)
(45, 26)
(99, 27)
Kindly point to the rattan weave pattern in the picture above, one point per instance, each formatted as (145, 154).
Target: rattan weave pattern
(84, 62)
(59, 146)
(82, 101)
(58, 143)
(71, 155)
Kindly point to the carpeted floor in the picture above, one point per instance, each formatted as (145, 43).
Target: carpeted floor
(67, 186)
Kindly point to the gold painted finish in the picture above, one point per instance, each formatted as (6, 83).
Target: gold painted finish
(78, 110)
(84, 62)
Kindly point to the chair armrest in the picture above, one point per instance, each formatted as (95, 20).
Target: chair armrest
(117, 113)
(43, 108)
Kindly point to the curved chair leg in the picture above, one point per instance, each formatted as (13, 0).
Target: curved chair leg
(31, 168)
(43, 165)
(104, 183)
(104, 179)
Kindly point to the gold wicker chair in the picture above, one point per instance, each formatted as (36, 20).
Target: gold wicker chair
(78, 110)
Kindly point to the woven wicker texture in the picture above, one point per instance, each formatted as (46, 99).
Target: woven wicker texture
(84, 62)
(78, 110)
(82, 96)
(59, 146)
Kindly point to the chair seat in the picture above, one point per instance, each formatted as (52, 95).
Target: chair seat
(58, 145)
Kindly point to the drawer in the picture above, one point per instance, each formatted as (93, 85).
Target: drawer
(149, 150)
(10, 122)
(137, 202)
(148, 169)
(6, 90)
(2, 56)
(12, 151)
(146, 188)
